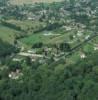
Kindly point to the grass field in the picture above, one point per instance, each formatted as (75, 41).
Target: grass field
(19, 2)
(35, 38)
(49, 39)
(53, 39)
(27, 24)
(7, 34)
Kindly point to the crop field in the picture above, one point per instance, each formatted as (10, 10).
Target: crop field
(19, 2)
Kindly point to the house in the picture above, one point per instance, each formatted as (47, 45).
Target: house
(15, 75)
(79, 33)
(31, 51)
(82, 55)
(67, 28)
(96, 47)
(30, 55)
(17, 59)
(87, 37)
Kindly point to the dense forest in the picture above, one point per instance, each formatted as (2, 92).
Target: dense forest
(55, 81)
(6, 49)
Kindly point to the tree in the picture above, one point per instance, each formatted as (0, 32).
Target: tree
(28, 61)
(65, 47)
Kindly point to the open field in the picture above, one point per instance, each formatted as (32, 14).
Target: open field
(36, 38)
(7, 34)
(26, 24)
(53, 38)
(19, 2)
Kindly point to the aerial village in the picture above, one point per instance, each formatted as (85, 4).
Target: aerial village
(44, 36)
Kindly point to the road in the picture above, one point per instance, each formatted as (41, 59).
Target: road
(80, 44)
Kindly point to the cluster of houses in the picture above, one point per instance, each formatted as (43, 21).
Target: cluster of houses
(17, 74)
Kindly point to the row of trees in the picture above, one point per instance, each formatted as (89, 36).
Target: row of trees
(10, 25)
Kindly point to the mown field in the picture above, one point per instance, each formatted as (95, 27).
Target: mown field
(19, 2)
(36, 38)
(55, 38)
